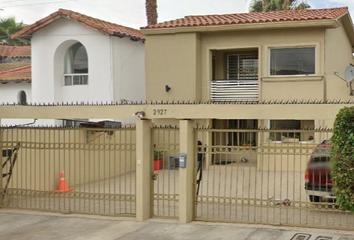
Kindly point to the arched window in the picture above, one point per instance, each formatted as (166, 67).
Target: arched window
(22, 98)
(76, 65)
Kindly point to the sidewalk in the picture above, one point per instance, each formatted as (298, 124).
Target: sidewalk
(16, 225)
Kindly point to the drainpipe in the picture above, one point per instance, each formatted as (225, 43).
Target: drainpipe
(324, 70)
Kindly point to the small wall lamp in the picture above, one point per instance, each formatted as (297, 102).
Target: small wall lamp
(140, 114)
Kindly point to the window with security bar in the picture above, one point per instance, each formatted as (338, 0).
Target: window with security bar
(290, 125)
(242, 66)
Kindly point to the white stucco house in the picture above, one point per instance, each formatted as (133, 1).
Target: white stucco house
(15, 74)
(77, 58)
(15, 77)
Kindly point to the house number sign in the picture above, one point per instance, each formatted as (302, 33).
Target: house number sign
(160, 111)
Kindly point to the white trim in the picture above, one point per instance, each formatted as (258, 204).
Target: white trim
(72, 79)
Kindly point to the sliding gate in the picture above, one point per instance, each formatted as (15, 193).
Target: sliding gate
(263, 176)
(69, 169)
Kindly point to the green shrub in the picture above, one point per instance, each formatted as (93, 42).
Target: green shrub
(342, 158)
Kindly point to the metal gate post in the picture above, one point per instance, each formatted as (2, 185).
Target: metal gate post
(143, 170)
(186, 175)
(1, 162)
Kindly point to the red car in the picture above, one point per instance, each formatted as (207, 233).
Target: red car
(318, 179)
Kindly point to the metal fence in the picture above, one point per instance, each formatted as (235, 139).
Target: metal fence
(80, 170)
(279, 177)
(165, 165)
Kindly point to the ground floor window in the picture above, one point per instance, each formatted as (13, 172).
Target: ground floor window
(290, 130)
(242, 136)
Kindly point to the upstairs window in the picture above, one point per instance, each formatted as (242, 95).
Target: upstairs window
(242, 66)
(292, 61)
(76, 66)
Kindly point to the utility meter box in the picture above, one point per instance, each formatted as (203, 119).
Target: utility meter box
(182, 160)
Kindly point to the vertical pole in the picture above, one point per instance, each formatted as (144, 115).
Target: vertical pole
(186, 175)
(1, 170)
(143, 170)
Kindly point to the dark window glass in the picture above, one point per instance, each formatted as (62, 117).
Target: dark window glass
(242, 66)
(292, 61)
(76, 60)
(22, 98)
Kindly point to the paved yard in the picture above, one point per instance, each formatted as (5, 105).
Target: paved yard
(15, 225)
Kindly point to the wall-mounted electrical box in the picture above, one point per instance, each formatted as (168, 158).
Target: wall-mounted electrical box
(183, 160)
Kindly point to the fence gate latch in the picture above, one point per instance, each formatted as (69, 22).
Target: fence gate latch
(154, 176)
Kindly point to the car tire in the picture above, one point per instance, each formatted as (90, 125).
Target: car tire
(314, 198)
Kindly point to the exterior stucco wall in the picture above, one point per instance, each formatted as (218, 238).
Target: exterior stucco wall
(338, 56)
(116, 68)
(184, 62)
(128, 69)
(172, 60)
(270, 88)
(48, 50)
(9, 94)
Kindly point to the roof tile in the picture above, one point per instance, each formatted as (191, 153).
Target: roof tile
(15, 51)
(100, 25)
(262, 17)
(15, 72)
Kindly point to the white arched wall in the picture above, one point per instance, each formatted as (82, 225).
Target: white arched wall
(62, 91)
(48, 50)
(9, 94)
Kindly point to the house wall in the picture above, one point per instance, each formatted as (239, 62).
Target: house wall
(274, 87)
(128, 69)
(9, 94)
(184, 62)
(173, 60)
(48, 49)
(116, 67)
(338, 52)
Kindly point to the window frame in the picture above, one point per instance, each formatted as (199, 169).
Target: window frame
(238, 54)
(72, 75)
(317, 60)
(72, 79)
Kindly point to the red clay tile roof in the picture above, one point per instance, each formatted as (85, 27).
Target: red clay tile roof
(15, 72)
(100, 25)
(262, 17)
(15, 51)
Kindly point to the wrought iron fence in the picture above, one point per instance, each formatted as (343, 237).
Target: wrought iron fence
(165, 165)
(84, 170)
(280, 177)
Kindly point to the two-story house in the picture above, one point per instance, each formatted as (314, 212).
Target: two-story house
(77, 58)
(282, 55)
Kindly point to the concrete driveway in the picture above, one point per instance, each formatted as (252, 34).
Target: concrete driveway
(15, 225)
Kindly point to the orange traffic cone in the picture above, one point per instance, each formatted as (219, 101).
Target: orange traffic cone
(63, 186)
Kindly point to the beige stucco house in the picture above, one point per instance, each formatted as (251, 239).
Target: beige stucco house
(283, 55)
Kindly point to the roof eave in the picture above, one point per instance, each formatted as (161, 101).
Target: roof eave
(328, 23)
(132, 38)
(15, 81)
(349, 28)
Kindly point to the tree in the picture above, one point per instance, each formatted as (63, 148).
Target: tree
(342, 158)
(151, 12)
(277, 5)
(8, 27)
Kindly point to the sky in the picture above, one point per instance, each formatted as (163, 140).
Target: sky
(132, 12)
